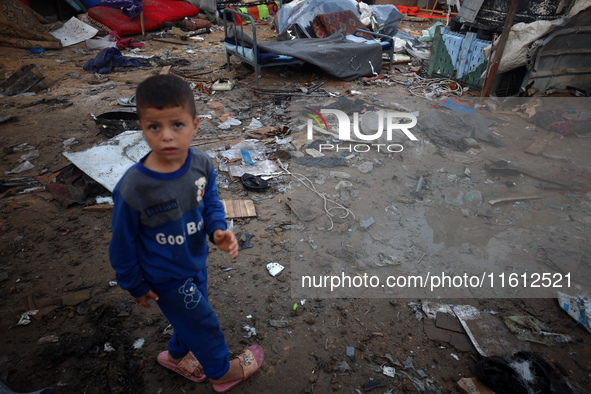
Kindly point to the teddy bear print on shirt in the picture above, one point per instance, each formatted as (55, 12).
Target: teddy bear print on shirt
(200, 183)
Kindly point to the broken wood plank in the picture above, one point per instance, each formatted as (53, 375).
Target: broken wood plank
(98, 208)
(539, 145)
(236, 209)
(165, 70)
(474, 386)
(511, 199)
(536, 147)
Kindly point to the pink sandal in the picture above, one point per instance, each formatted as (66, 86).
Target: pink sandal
(251, 361)
(188, 367)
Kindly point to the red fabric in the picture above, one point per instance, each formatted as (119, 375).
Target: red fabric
(415, 11)
(325, 25)
(25, 2)
(123, 43)
(156, 12)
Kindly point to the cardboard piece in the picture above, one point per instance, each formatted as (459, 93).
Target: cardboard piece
(488, 334)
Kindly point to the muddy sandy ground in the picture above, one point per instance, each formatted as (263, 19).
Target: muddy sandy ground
(55, 259)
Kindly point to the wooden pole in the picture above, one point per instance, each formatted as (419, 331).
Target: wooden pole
(142, 23)
(486, 89)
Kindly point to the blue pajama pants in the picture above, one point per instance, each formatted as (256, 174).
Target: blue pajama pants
(196, 327)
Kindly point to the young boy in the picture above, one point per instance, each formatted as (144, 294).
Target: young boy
(165, 207)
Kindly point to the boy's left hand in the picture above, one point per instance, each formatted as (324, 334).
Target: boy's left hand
(226, 241)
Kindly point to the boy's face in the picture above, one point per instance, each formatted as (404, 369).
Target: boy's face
(169, 132)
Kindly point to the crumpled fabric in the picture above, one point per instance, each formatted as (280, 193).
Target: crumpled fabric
(123, 43)
(108, 58)
(130, 8)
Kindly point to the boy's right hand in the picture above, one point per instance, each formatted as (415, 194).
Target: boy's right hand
(146, 297)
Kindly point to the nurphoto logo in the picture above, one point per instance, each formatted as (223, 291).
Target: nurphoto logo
(344, 124)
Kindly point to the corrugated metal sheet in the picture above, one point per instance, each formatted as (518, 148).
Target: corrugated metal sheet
(564, 58)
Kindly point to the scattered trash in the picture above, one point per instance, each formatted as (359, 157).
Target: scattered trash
(229, 123)
(70, 141)
(73, 32)
(516, 374)
(254, 183)
(107, 162)
(229, 85)
(275, 268)
(365, 167)
(314, 153)
(254, 124)
(389, 371)
(487, 332)
(417, 191)
(48, 339)
(7, 118)
(251, 331)
(474, 386)
(114, 123)
(374, 384)
(108, 348)
(127, 102)
(168, 330)
(244, 240)
(138, 343)
(26, 317)
(344, 367)
(27, 79)
(112, 283)
(313, 244)
(25, 166)
(367, 222)
(577, 307)
(340, 174)
(454, 356)
(108, 58)
(457, 105)
(5, 390)
(528, 328)
(350, 351)
(513, 199)
(459, 126)
(279, 323)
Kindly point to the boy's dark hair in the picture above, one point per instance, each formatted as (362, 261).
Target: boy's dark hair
(162, 91)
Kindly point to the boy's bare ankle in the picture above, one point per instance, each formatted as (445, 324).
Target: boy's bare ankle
(174, 360)
(234, 373)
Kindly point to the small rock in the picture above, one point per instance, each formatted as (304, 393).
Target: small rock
(311, 321)
(465, 212)
(344, 367)
(279, 323)
(350, 351)
(471, 143)
(366, 167)
(340, 174)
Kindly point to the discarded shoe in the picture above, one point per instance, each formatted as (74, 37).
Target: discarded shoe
(250, 361)
(188, 367)
(254, 183)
